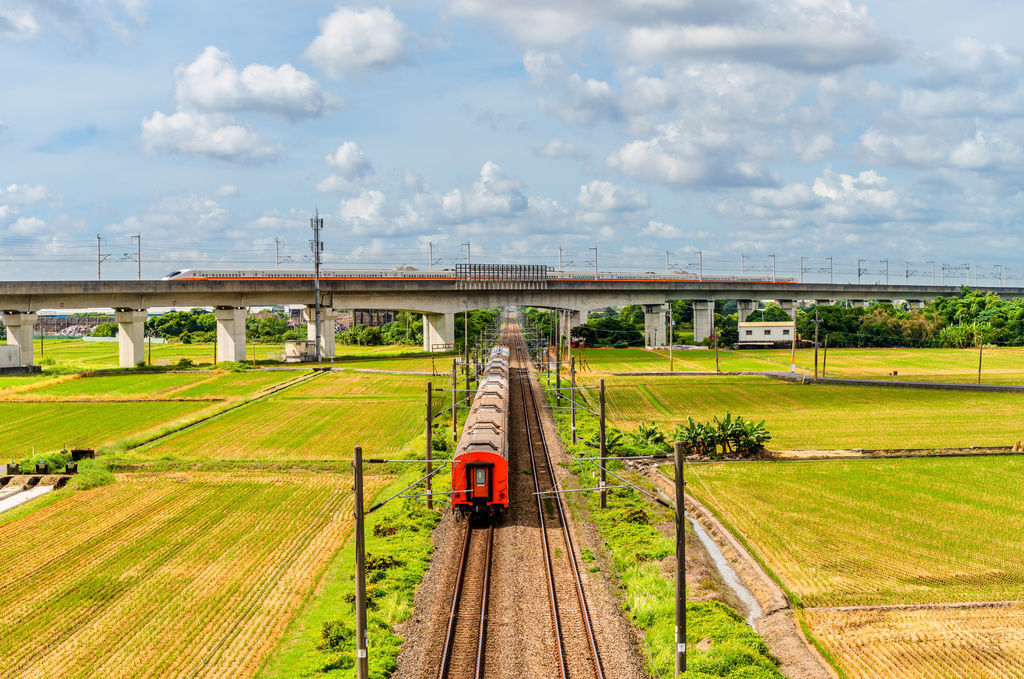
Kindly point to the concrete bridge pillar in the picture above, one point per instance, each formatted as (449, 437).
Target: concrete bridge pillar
(703, 317)
(20, 327)
(438, 329)
(577, 318)
(655, 328)
(789, 306)
(131, 336)
(745, 307)
(327, 319)
(230, 333)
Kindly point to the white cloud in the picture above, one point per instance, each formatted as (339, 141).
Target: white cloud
(27, 226)
(815, 35)
(494, 194)
(17, 24)
(226, 191)
(655, 229)
(351, 40)
(580, 101)
(980, 147)
(205, 136)
(556, 147)
(680, 156)
(351, 170)
(181, 218)
(603, 196)
(816, 148)
(212, 83)
(24, 194)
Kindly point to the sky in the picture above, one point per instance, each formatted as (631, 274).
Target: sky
(799, 134)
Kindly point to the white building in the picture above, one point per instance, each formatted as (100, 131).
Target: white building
(766, 334)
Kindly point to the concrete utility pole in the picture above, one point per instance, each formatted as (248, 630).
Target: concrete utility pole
(465, 342)
(743, 265)
(816, 322)
(773, 269)
(671, 342)
(886, 262)
(317, 246)
(933, 271)
(595, 263)
(572, 396)
(469, 259)
(430, 445)
(667, 253)
(680, 516)
(560, 251)
(430, 256)
(700, 266)
(362, 661)
(455, 418)
(277, 253)
(801, 269)
(829, 269)
(601, 443)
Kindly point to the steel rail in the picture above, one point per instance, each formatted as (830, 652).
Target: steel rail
(449, 641)
(562, 669)
(570, 548)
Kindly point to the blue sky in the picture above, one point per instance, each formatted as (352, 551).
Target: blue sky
(742, 129)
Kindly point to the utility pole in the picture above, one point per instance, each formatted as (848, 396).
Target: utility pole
(886, 261)
(138, 253)
(742, 264)
(601, 443)
(981, 344)
(667, 253)
(430, 256)
(469, 260)
(595, 263)
(801, 270)
(455, 418)
(824, 357)
(933, 271)
(680, 516)
(317, 246)
(572, 396)
(700, 266)
(100, 257)
(430, 444)
(943, 273)
(277, 253)
(907, 269)
(362, 661)
(560, 251)
(859, 270)
(816, 322)
(465, 342)
(830, 280)
(773, 270)
(792, 355)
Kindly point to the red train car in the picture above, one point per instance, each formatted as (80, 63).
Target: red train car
(480, 465)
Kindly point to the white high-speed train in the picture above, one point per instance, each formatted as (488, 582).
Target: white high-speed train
(407, 273)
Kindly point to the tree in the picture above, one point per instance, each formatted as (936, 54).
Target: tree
(105, 330)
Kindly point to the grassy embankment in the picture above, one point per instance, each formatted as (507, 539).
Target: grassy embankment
(883, 533)
(719, 641)
(819, 416)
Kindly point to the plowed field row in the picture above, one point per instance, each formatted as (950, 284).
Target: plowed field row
(166, 575)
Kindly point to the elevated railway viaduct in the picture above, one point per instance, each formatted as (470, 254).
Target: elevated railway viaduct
(438, 299)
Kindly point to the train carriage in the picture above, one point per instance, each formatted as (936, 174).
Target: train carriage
(480, 465)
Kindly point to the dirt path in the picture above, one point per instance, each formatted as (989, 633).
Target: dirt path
(778, 626)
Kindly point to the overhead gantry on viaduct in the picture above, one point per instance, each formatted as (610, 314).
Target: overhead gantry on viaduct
(437, 298)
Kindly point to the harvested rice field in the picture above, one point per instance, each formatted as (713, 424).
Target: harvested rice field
(167, 575)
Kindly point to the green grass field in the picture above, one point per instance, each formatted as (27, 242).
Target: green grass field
(52, 425)
(689, 360)
(865, 532)
(818, 416)
(320, 419)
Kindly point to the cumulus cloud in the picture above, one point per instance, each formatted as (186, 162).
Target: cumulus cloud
(580, 101)
(17, 23)
(681, 156)
(364, 215)
(814, 35)
(226, 191)
(22, 20)
(182, 218)
(978, 147)
(604, 196)
(24, 194)
(351, 167)
(556, 147)
(212, 83)
(27, 226)
(351, 40)
(205, 136)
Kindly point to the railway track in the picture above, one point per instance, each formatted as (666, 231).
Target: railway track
(465, 641)
(577, 652)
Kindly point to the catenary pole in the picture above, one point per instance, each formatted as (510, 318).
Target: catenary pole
(430, 444)
(455, 389)
(572, 395)
(680, 516)
(601, 442)
(362, 661)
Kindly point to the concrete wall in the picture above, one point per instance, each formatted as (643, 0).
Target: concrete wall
(10, 357)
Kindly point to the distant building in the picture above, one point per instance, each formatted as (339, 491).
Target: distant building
(765, 335)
